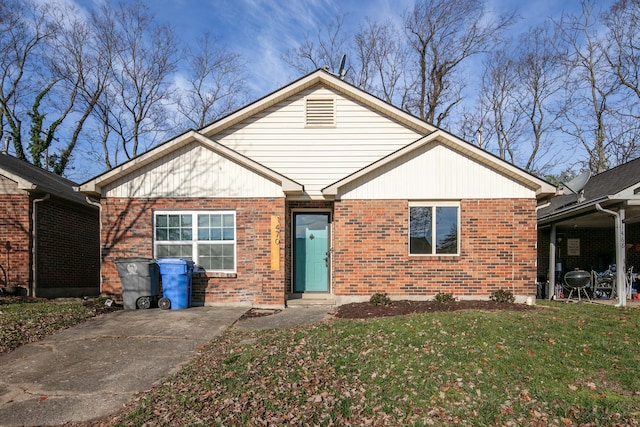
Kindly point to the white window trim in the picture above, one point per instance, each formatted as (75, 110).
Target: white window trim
(433, 204)
(194, 234)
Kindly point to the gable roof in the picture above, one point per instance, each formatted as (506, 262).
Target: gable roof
(616, 184)
(95, 185)
(31, 178)
(542, 188)
(329, 80)
(207, 134)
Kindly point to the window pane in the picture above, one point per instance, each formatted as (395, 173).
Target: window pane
(203, 234)
(162, 234)
(203, 220)
(227, 221)
(174, 234)
(217, 257)
(227, 234)
(174, 220)
(161, 221)
(420, 224)
(186, 220)
(447, 230)
(173, 251)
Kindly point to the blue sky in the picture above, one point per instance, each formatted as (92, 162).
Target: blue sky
(263, 30)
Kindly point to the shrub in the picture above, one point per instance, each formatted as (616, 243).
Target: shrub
(502, 296)
(444, 297)
(380, 299)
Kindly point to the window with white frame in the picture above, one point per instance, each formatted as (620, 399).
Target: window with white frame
(206, 237)
(434, 228)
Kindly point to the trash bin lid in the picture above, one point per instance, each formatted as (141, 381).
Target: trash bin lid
(135, 259)
(179, 261)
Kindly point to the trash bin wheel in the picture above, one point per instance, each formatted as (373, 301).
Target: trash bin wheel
(143, 303)
(164, 303)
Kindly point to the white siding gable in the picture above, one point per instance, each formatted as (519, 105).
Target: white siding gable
(434, 172)
(193, 171)
(316, 156)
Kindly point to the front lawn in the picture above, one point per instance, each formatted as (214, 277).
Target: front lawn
(564, 364)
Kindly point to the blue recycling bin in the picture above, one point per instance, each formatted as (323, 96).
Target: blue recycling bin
(176, 274)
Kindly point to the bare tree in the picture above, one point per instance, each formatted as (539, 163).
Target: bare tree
(215, 82)
(381, 57)
(540, 80)
(499, 100)
(24, 29)
(591, 88)
(623, 54)
(145, 58)
(326, 50)
(442, 35)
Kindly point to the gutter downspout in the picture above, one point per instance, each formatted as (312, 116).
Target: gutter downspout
(99, 206)
(621, 267)
(34, 243)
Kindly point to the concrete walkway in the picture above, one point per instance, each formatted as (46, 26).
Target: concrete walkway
(91, 370)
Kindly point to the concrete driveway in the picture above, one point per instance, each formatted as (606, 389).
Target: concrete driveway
(92, 369)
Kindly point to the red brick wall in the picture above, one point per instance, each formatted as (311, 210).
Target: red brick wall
(15, 244)
(498, 250)
(68, 249)
(127, 232)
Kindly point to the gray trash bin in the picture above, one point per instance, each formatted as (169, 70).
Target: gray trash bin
(140, 278)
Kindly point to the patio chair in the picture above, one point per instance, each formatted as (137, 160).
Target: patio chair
(603, 284)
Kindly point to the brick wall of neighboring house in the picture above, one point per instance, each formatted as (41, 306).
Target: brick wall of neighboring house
(15, 244)
(597, 248)
(68, 249)
(498, 250)
(127, 232)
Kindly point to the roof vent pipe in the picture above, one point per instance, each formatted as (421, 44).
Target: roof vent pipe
(7, 140)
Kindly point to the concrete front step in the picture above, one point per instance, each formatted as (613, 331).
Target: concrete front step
(304, 300)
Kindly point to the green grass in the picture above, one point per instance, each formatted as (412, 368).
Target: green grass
(564, 364)
(23, 321)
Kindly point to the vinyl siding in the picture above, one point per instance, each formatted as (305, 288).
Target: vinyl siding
(316, 156)
(8, 186)
(193, 171)
(434, 172)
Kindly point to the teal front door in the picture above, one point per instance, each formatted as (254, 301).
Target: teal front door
(311, 252)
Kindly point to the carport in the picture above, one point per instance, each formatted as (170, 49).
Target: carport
(593, 225)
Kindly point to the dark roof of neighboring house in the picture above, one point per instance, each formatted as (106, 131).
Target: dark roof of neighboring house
(41, 180)
(603, 184)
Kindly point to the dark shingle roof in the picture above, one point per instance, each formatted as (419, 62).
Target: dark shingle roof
(603, 184)
(44, 181)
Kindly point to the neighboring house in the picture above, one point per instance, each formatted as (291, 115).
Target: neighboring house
(49, 234)
(583, 230)
(322, 190)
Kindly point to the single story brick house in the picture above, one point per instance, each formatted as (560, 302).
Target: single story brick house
(321, 190)
(49, 234)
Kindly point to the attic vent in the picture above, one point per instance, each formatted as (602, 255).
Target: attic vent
(320, 112)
